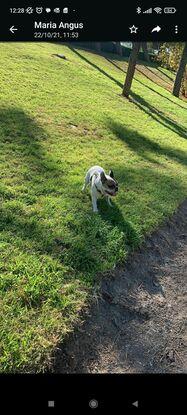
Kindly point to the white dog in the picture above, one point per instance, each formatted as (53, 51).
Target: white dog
(101, 185)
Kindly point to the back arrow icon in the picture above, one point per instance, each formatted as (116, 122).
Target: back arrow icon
(12, 29)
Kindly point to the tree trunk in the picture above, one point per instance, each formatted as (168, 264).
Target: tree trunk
(145, 51)
(185, 83)
(131, 69)
(180, 72)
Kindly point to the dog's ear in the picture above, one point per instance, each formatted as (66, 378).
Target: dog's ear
(111, 174)
(103, 177)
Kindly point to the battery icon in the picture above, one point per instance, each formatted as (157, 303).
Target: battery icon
(170, 10)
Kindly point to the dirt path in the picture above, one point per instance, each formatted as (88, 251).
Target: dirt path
(138, 323)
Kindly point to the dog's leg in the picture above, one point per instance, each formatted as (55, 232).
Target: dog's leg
(109, 201)
(94, 195)
(84, 187)
(86, 182)
(94, 203)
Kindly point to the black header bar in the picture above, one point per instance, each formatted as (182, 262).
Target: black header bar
(94, 21)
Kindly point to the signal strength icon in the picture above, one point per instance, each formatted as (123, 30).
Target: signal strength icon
(148, 11)
(158, 10)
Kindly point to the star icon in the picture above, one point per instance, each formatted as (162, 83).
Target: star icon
(133, 29)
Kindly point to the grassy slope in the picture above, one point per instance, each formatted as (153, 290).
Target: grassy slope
(57, 118)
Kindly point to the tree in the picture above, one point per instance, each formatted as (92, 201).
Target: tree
(172, 57)
(145, 51)
(180, 72)
(184, 86)
(169, 55)
(131, 69)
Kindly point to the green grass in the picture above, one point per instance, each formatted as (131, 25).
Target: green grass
(58, 118)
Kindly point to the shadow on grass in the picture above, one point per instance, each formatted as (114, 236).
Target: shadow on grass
(28, 172)
(87, 241)
(143, 146)
(145, 194)
(83, 241)
(95, 66)
(21, 137)
(138, 70)
(158, 93)
(145, 85)
(120, 84)
(156, 75)
(158, 115)
(114, 217)
(164, 73)
(115, 64)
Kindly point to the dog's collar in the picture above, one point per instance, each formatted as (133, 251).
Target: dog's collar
(98, 190)
(105, 192)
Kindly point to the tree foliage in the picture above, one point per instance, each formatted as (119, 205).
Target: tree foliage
(169, 56)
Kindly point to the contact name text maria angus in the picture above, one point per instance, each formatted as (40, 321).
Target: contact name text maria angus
(61, 25)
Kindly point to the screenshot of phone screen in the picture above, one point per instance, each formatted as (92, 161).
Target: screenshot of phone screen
(93, 208)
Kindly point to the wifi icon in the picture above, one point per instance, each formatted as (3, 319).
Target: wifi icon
(158, 10)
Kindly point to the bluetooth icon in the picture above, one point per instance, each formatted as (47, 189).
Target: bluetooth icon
(138, 10)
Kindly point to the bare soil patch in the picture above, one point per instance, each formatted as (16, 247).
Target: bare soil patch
(137, 324)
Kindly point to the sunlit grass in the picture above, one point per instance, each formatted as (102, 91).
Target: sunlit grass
(58, 118)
